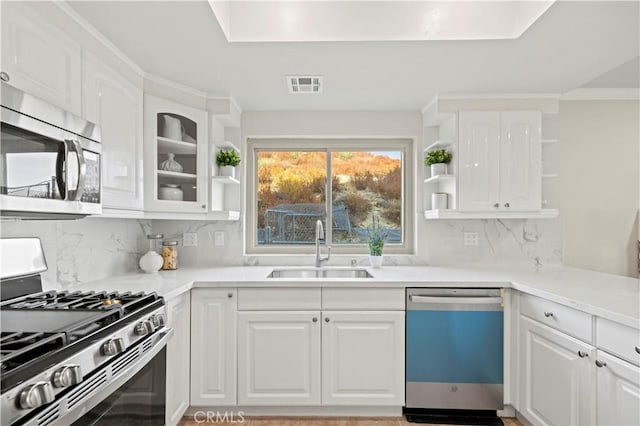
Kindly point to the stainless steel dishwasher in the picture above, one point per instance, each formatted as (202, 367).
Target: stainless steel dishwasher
(454, 349)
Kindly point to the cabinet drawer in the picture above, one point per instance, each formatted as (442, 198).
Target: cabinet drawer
(278, 299)
(618, 339)
(380, 299)
(571, 321)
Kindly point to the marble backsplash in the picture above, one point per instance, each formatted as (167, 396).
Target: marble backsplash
(84, 250)
(95, 248)
(519, 242)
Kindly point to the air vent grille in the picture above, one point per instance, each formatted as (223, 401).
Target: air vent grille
(85, 388)
(49, 416)
(124, 362)
(304, 85)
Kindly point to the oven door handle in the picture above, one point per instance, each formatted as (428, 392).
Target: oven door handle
(94, 389)
(73, 145)
(454, 300)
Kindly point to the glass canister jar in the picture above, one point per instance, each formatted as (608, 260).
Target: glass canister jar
(169, 255)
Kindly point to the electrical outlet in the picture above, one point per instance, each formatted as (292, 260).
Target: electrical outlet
(218, 238)
(470, 238)
(189, 239)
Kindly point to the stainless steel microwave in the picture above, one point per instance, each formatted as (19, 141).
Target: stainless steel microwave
(50, 162)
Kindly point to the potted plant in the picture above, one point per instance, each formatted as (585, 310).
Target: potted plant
(227, 161)
(438, 160)
(377, 236)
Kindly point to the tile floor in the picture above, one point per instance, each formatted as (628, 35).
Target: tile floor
(322, 421)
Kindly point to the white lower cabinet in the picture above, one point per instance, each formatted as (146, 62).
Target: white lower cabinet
(178, 317)
(363, 358)
(618, 391)
(213, 347)
(279, 358)
(557, 376)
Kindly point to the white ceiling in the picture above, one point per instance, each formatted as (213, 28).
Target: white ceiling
(569, 46)
(269, 20)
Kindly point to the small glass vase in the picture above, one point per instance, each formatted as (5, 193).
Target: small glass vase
(170, 164)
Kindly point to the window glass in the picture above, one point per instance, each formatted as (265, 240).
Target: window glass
(291, 196)
(366, 185)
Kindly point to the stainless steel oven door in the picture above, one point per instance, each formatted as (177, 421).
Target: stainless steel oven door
(130, 390)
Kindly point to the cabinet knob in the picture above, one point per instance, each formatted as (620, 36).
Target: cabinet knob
(204, 206)
(4, 76)
(229, 295)
(496, 205)
(638, 349)
(548, 314)
(326, 319)
(600, 363)
(314, 319)
(582, 354)
(507, 205)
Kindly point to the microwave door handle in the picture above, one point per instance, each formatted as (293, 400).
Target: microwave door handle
(61, 176)
(74, 146)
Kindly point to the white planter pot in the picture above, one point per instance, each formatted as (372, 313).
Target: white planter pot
(376, 261)
(227, 171)
(438, 169)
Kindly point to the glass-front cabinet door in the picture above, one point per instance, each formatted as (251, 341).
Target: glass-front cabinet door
(176, 145)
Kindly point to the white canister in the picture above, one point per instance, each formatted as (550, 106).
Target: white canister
(439, 201)
(170, 192)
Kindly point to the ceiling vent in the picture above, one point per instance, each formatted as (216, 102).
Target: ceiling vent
(304, 84)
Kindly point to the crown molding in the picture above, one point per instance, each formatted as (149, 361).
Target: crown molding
(93, 31)
(603, 94)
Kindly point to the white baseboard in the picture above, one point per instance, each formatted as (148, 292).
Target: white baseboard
(333, 411)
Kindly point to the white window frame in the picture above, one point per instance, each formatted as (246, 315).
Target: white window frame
(255, 145)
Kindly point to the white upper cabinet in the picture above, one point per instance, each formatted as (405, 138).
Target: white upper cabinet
(499, 161)
(39, 58)
(520, 160)
(478, 161)
(176, 166)
(116, 105)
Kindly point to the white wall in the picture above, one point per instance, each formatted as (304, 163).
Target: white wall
(600, 186)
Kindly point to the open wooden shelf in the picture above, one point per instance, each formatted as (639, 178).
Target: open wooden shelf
(226, 180)
(438, 145)
(439, 178)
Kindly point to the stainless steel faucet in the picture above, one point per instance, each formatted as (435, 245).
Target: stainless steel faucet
(320, 236)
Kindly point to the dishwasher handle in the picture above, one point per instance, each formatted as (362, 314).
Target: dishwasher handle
(456, 300)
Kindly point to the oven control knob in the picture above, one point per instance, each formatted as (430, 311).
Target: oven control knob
(112, 347)
(158, 320)
(143, 328)
(36, 395)
(66, 376)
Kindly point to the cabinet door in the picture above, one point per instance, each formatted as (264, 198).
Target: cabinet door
(520, 161)
(363, 358)
(478, 161)
(40, 58)
(116, 105)
(618, 391)
(178, 317)
(213, 347)
(557, 385)
(279, 358)
(176, 134)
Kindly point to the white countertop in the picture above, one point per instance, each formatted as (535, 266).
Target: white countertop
(610, 296)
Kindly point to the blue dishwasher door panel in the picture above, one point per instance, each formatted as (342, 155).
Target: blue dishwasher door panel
(455, 346)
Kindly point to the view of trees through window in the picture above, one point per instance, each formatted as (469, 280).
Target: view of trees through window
(292, 195)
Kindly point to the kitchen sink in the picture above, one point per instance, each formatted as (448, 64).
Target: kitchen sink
(320, 273)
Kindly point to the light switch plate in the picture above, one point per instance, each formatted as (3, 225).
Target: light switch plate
(218, 238)
(470, 238)
(189, 239)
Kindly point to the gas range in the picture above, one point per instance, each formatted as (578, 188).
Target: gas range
(62, 353)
